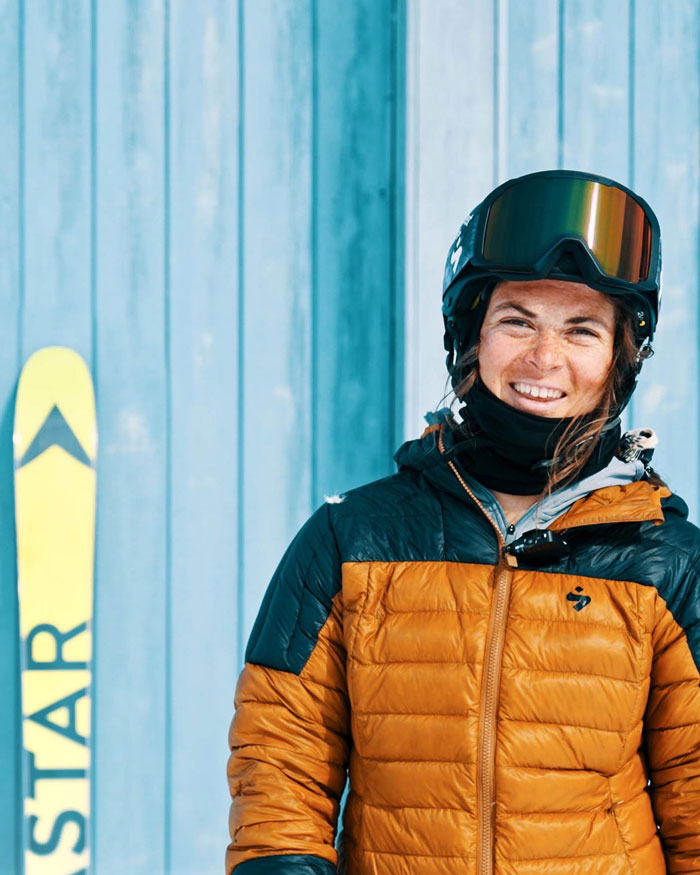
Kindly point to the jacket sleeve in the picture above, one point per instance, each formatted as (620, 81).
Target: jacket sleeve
(289, 735)
(672, 722)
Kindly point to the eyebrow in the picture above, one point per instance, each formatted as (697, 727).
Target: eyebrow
(575, 320)
(511, 305)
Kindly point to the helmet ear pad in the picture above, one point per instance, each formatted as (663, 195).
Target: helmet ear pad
(464, 326)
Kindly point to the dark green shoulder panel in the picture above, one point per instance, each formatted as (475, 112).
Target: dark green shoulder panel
(397, 518)
(680, 585)
(298, 600)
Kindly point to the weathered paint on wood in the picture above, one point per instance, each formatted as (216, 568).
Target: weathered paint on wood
(595, 79)
(11, 286)
(354, 185)
(132, 603)
(203, 200)
(528, 72)
(585, 84)
(276, 270)
(202, 331)
(666, 162)
(450, 166)
(595, 76)
(57, 164)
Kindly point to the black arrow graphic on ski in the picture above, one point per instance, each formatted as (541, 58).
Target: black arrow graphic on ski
(55, 431)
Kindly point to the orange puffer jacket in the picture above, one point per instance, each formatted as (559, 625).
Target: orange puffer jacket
(498, 716)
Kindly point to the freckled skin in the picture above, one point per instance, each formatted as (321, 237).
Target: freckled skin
(544, 348)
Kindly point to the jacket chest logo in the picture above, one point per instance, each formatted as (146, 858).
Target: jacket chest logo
(581, 600)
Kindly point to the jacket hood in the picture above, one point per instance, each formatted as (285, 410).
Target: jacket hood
(423, 454)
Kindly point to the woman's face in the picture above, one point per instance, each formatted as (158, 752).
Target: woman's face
(546, 346)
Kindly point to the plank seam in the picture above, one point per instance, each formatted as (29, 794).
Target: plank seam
(241, 316)
(167, 789)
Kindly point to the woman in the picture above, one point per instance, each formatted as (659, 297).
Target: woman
(502, 640)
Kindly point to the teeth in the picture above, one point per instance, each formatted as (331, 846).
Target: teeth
(537, 391)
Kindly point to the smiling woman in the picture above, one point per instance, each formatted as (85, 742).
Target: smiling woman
(500, 644)
(546, 347)
(551, 299)
(558, 349)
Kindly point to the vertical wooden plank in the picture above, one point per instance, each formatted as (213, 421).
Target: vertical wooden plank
(595, 99)
(529, 71)
(666, 158)
(130, 642)
(398, 214)
(353, 245)
(10, 284)
(596, 87)
(276, 435)
(57, 305)
(204, 421)
(450, 167)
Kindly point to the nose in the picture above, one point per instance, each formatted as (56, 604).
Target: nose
(545, 352)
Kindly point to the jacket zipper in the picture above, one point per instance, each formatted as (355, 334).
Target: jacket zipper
(490, 686)
(486, 790)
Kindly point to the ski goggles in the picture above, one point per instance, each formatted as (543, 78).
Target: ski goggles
(527, 219)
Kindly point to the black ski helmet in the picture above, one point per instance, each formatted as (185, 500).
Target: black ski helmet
(560, 224)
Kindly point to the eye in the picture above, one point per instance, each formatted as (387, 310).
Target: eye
(586, 332)
(513, 320)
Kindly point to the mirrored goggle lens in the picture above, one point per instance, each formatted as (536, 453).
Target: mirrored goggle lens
(528, 218)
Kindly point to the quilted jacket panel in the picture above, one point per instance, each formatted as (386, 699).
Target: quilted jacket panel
(378, 648)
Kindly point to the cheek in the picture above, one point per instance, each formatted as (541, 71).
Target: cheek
(593, 372)
(495, 355)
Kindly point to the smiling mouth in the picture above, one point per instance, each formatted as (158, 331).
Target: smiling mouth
(537, 393)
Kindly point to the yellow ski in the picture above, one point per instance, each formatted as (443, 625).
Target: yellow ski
(55, 449)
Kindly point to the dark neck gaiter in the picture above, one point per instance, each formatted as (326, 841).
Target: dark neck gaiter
(511, 451)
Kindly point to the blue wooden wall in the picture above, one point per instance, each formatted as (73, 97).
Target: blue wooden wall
(501, 88)
(201, 198)
(238, 213)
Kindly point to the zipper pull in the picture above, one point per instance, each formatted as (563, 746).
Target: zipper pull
(510, 558)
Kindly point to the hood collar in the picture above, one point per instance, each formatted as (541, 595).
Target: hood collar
(637, 501)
